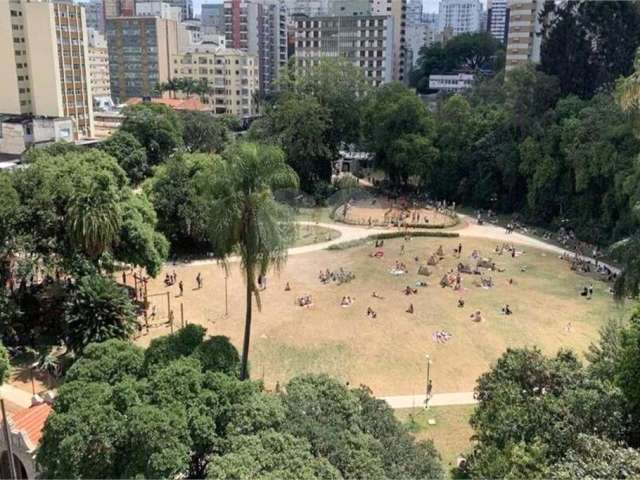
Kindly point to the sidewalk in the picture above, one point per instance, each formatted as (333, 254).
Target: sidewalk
(437, 400)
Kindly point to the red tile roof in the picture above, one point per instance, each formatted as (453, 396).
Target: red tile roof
(31, 421)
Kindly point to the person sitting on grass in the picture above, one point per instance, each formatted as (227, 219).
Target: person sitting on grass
(375, 295)
(506, 310)
(410, 309)
(371, 313)
(346, 302)
(460, 303)
(476, 316)
(287, 287)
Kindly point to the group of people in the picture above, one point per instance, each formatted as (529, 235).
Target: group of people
(170, 278)
(399, 268)
(441, 336)
(587, 292)
(341, 276)
(305, 301)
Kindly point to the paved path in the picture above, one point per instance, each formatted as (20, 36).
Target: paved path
(437, 400)
(15, 395)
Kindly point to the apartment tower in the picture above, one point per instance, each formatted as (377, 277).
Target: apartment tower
(45, 61)
(524, 39)
(498, 19)
(461, 16)
(397, 9)
(140, 51)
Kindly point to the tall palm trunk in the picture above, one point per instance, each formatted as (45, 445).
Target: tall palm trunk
(247, 328)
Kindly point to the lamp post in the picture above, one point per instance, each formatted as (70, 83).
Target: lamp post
(429, 384)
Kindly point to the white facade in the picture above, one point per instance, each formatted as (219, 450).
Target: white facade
(451, 83)
(156, 8)
(462, 16)
(498, 19)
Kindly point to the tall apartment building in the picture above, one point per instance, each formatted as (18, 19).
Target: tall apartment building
(462, 16)
(524, 39)
(498, 19)
(119, 8)
(99, 67)
(44, 51)
(397, 9)
(232, 76)
(212, 18)
(414, 12)
(94, 12)
(186, 7)
(418, 36)
(140, 51)
(310, 8)
(259, 27)
(366, 41)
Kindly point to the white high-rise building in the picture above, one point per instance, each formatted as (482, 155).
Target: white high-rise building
(461, 16)
(498, 19)
(414, 12)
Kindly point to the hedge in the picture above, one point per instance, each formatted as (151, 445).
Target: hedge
(388, 235)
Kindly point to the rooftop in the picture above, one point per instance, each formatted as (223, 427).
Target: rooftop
(31, 421)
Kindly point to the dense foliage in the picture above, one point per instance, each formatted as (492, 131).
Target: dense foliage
(164, 412)
(468, 52)
(5, 367)
(542, 417)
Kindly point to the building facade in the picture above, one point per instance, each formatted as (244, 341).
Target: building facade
(212, 18)
(498, 19)
(414, 12)
(140, 51)
(367, 42)
(45, 62)
(451, 83)
(232, 76)
(259, 27)
(94, 12)
(119, 8)
(524, 38)
(397, 10)
(99, 67)
(462, 16)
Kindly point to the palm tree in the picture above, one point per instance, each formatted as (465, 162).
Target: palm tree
(94, 217)
(244, 218)
(628, 88)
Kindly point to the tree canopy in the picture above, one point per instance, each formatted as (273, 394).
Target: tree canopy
(116, 417)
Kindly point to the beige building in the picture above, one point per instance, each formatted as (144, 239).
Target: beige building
(232, 77)
(140, 52)
(44, 50)
(398, 10)
(99, 66)
(524, 39)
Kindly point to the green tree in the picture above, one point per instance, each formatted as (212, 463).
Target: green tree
(397, 124)
(581, 43)
(111, 361)
(156, 127)
(244, 218)
(97, 310)
(94, 216)
(176, 193)
(594, 458)
(5, 366)
(269, 455)
(471, 52)
(129, 153)
(203, 132)
(532, 410)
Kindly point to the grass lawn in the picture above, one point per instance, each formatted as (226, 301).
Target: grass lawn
(309, 234)
(451, 432)
(388, 353)
(318, 214)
